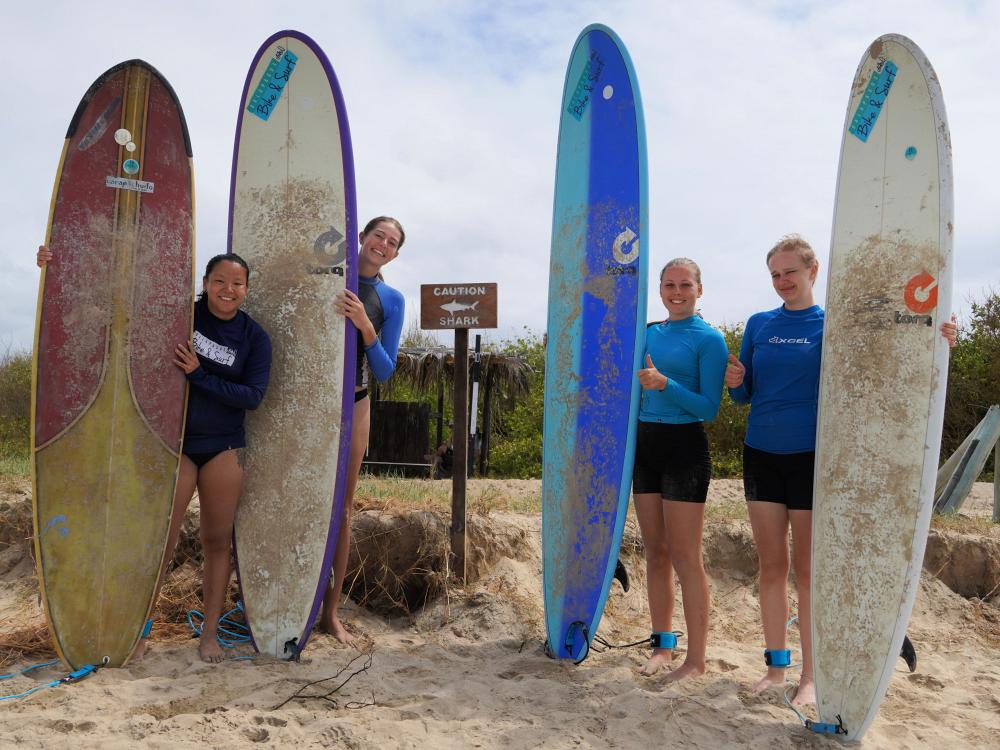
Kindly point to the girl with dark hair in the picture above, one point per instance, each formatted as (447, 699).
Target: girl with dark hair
(377, 313)
(227, 365)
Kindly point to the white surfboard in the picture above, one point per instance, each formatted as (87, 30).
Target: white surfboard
(882, 387)
(293, 217)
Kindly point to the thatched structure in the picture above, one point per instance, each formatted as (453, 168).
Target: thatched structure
(431, 372)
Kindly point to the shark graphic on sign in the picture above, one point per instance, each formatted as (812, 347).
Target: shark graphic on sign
(455, 306)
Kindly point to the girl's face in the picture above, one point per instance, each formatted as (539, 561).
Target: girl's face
(379, 246)
(225, 288)
(792, 279)
(679, 291)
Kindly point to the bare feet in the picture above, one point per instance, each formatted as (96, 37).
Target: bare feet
(772, 678)
(330, 623)
(806, 692)
(683, 671)
(209, 649)
(661, 657)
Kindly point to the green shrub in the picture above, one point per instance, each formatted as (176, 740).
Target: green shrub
(15, 412)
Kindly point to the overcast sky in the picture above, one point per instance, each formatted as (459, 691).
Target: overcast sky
(454, 110)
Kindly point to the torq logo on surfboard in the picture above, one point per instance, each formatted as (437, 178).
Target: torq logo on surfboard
(920, 296)
(625, 250)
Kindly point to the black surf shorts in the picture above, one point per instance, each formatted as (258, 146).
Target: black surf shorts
(672, 460)
(785, 478)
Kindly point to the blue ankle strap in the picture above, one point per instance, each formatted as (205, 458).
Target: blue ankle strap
(663, 640)
(774, 657)
(147, 629)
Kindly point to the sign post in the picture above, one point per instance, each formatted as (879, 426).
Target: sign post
(461, 307)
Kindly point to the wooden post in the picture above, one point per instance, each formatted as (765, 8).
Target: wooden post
(460, 465)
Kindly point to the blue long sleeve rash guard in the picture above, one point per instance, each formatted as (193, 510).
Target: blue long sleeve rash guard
(781, 353)
(693, 356)
(235, 366)
(384, 307)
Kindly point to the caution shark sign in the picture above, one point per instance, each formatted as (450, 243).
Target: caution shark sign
(445, 306)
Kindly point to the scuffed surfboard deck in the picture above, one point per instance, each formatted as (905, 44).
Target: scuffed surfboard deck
(293, 218)
(596, 328)
(107, 402)
(883, 378)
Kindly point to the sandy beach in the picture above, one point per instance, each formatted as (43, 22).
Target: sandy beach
(467, 668)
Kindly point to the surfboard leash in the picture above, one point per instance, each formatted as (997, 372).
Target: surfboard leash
(231, 633)
(75, 676)
(656, 640)
(818, 727)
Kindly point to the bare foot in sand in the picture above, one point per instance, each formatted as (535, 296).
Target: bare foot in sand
(209, 649)
(661, 657)
(331, 624)
(772, 678)
(806, 693)
(683, 671)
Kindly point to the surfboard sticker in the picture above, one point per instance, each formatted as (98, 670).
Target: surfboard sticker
(268, 92)
(873, 100)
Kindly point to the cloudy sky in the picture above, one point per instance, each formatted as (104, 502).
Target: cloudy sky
(454, 109)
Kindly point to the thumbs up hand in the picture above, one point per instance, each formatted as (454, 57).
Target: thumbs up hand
(735, 372)
(650, 378)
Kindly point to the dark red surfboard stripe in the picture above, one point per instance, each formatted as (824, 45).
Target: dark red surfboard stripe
(75, 310)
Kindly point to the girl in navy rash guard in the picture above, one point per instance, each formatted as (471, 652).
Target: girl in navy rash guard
(682, 387)
(777, 373)
(227, 367)
(377, 312)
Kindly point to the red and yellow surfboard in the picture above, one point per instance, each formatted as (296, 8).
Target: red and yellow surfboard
(107, 402)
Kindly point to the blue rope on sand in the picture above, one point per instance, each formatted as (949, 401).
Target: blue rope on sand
(75, 676)
(231, 633)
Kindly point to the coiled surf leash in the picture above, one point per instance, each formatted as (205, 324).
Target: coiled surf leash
(231, 632)
(75, 676)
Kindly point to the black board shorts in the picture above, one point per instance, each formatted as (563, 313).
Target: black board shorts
(784, 478)
(672, 460)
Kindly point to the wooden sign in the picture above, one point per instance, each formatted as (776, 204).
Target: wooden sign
(458, 306)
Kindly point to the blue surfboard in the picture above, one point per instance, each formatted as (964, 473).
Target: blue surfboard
(596, 325)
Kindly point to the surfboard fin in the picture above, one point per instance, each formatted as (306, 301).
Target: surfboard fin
(292, 651)
(908, 654)
(621, 574)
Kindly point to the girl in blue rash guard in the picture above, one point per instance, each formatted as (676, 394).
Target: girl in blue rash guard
(377, 313)
(777, 373)
(682, 386)
(227, 365)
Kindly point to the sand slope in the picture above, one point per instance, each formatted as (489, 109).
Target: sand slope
(468, 671)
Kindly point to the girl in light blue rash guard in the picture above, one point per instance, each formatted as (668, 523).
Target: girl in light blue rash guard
(377, 312)
(777, 373)
(685, 361)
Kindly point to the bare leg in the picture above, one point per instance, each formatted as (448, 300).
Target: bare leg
(659, 574)
(802, 560)
(187, 478)
(329, 621)
(684, 524)
(219, 485)
(770, 533)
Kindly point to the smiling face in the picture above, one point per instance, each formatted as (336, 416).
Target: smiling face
(679, 290)
(225, 289)
(378, 246)
(792, 279)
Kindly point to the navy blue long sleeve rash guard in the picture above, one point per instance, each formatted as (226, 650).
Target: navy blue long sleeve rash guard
(235, 366)
(384, 307)
(781, 353)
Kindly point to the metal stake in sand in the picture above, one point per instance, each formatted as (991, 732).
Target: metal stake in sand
(461, 307)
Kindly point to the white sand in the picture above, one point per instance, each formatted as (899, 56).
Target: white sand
(468, 671)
